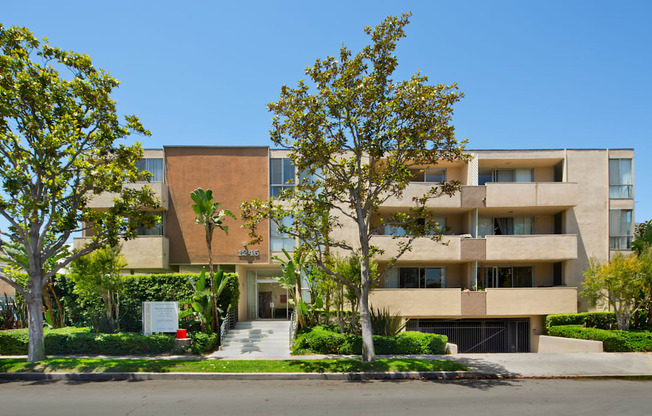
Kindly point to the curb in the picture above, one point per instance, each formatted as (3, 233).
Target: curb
(408, 375)
(416, 375)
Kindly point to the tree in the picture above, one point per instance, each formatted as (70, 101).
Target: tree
(210, 216)
(58, 148)
(642, 237)
(354, 134)
(621, 282)
(97, 275)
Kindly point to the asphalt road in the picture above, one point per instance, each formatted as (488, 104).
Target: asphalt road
(261, 398)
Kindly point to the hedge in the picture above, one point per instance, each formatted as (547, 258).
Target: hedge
(323, 339)
(612, 340)
(139, 289)
(602, 320)
(82, 341)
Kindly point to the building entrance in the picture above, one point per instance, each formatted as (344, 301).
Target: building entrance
(266, 299)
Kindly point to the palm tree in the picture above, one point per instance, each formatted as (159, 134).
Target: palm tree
(210, 216)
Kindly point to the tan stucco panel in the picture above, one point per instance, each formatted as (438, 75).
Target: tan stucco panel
(531, 301)
(235, 175)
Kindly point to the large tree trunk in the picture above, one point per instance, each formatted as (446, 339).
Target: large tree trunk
(36, 346)
(368, 351)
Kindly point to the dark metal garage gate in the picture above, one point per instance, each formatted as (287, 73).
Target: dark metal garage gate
(479, 335)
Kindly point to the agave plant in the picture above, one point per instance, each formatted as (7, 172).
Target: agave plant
(383, 322)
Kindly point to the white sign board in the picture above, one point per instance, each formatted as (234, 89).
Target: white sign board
(160, 317)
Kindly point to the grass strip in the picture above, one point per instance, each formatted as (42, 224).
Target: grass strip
(345, 365)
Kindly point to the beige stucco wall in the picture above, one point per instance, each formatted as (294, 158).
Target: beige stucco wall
(144, 253)
(424, 249)
(545, 344)
(531, 194)
(543, 224)
(417, 190)
(105, 200)
(418, 302)
(589, 219)
(531, 247)
(421, 303)
(531, 301)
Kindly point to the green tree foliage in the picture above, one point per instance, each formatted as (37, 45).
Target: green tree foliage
(210, 217)
(202, 302)
(642, 237)
(354, 133)
(97, 275)
(623, 282)
(58, 148)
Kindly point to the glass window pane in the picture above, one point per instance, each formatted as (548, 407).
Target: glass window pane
(625, 171)
(141, 165)
(435, 175)
(505, 175)
(288, 171)
(275, 171)
(418, 175)
(523, 175)
(485, 226)
(155, 166)
(614, 172)
(505, 277)
(485, 175)
(435, 278)
(522, 276)
(523, 226)
(409, 277)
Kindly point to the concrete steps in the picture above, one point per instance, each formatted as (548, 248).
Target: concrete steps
(256, 339)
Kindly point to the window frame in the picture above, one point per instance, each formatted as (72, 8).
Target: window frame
(616, 189)
(422, 273)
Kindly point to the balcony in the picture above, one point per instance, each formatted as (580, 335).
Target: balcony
(423, 249)
(552, 247)
(105, 200)
(417, 190)
(531, 194)
(145, 252)
(425, 303)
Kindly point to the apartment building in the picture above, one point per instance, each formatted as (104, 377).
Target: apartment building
(519, 234)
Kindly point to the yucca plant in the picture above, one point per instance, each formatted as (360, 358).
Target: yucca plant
(383, 322)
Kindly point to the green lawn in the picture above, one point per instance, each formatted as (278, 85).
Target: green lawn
(97, 365)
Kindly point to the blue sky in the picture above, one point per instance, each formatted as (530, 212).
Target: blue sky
(553, 74)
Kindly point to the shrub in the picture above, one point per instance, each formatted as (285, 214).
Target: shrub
(602, 320)
(139, 289)
(203, 342)
(612, 340)
(323, 339)
(320, 339)
(81, 341)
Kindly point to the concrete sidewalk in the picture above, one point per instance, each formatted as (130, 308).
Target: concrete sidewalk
(526, 365)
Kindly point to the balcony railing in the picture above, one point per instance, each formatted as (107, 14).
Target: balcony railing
(531, 247)
(105, 200)
(142, 253)
(453, 302)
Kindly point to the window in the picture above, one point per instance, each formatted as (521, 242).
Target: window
(152, 165)
(620, 178)
(281, 175)
(395, 230)
(428, 175)
(422, 277)
(278, 240)
(505, 226)
(155, 230)
(491, 277)
(620, 229)
(486, 175)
